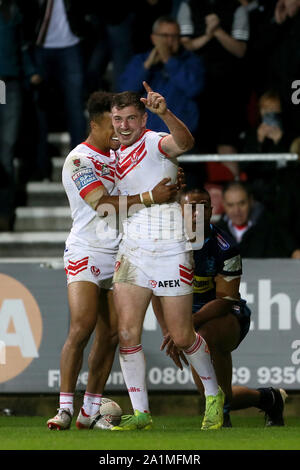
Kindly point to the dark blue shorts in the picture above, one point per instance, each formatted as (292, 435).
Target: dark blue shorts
(241, 311)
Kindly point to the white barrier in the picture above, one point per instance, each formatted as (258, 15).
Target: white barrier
(244, 157)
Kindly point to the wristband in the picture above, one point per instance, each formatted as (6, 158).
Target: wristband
(141, 198)
(146, 199)
(151, 197)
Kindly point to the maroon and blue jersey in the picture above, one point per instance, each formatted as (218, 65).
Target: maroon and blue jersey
(219, 255)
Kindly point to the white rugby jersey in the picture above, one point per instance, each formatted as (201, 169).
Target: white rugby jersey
(139, 168)
(85, 169)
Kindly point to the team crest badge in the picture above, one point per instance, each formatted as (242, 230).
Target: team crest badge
(95, 271)
(77, 162)
(153, 283)
(104, 170)
(134, 157)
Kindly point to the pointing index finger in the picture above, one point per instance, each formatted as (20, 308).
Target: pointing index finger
(147, 87)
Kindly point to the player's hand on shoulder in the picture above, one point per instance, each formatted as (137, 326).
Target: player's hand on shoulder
(164, 191)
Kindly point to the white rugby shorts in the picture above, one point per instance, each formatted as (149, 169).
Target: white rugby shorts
(84, 264)
(170, 276)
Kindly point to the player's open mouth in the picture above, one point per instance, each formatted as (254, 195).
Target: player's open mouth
(125, 133)
(115, 138)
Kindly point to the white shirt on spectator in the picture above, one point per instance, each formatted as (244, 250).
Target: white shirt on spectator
(59, 34)
(240, 23)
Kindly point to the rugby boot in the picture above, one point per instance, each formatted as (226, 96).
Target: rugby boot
(138, 421)
(274, 412)
(213, 417)
(96, 421)
(61, 421)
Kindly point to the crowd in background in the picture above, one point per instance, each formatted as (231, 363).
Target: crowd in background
(230, 69)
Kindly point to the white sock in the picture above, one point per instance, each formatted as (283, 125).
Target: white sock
(198, 356)
(133, 367)
(66, 400)
(91, 403)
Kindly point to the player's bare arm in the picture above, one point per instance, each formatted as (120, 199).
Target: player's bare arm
(161, 193)
(180, 139)
(227, 292)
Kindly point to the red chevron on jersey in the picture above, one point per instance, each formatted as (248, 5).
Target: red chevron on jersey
(131, 160)
(76, 267)
(186, 275)
(103, 170)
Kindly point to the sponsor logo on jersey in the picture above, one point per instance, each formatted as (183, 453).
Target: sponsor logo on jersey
(84, 177)
(203, 284)
(168, 283)
(223, 244)
(95, 271)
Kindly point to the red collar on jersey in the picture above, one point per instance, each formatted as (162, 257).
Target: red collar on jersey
(106, 154)
(124, 147)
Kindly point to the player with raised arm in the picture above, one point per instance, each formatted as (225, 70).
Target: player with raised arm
(221, 316)
(154, 255)
(89, 180)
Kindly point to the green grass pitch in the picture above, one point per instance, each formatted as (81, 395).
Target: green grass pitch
(169, 433)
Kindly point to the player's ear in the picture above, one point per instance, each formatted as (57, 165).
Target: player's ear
(144, 119)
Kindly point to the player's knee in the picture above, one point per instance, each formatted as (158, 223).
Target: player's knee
(128, 337)
(79, 335)
(182, 341)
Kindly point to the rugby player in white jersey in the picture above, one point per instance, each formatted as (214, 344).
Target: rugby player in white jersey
(154, 255)
(89, 180)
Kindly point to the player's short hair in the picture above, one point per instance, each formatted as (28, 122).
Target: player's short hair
(128, 98)
(98, 103)
(198, 190)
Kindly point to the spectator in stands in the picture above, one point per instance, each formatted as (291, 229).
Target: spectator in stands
(271, 136)
(285, 60)
(15, 67)
(57, 29)
(256, 232)
(146, 13)
(112, 43)
(275, 183)
(169, 69)
(218, 31)
(264, 38)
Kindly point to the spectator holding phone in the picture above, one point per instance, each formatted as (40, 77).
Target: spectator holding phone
(271, 135)
(275, 183)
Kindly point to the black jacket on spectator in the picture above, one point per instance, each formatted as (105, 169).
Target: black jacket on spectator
(264, 239)
(34, 12)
